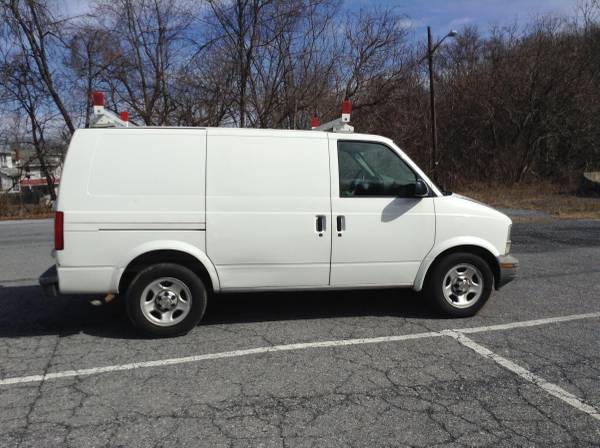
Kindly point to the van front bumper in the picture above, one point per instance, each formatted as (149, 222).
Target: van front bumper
(509, 266)
(49, 281)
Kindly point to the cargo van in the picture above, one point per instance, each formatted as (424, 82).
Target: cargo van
(170, 217)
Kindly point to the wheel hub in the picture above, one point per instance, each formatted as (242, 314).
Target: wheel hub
(166, 300)
(461, 285)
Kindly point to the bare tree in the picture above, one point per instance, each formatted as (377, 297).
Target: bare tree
(375, 52)
(204, 91)
(27, 96)
(36, 31)
(90, 56)
(149, 46)
(293, 72)
(239, 23)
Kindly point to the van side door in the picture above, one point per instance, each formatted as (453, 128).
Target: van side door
(381, 231)
(268, 210)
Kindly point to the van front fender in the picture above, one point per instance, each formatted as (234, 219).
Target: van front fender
(452, 243)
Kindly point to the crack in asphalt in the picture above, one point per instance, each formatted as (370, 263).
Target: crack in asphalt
(38, 394)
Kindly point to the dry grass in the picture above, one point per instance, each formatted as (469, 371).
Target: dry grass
(26, 211)
(556, 200)
(27, 214)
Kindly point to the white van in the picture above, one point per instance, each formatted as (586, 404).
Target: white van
(168, 217)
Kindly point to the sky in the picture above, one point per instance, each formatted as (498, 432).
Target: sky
(444, 15)
(441, 15)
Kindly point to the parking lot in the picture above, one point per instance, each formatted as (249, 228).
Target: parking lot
(363, 368)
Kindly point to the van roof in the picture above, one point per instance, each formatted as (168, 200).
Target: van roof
(246, 131)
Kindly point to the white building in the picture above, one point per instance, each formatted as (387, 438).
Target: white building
(9, 173)
(17, 174)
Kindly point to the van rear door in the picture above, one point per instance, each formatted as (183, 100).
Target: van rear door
(268, 208)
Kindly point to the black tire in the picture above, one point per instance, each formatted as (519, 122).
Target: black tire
(440, 275)
(195, 304)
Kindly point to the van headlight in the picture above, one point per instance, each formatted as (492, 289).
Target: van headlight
(508, 241)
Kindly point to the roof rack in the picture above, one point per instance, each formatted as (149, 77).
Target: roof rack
(103, 118)
(337, 125)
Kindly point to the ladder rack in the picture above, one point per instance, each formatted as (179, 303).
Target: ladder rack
(337, 125)
(103, 118)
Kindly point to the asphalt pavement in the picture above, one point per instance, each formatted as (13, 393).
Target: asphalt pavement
(337, 369)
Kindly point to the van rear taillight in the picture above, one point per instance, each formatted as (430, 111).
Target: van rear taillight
(59, 231)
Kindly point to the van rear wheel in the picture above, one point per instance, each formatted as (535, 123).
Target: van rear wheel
(460, 284)
(166, 299)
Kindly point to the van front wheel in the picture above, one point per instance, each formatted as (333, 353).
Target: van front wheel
(166, 300)
(460, 284)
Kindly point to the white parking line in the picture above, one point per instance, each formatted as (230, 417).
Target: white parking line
(551, 388)
(287, 347)
(231, 354)
(528, 323)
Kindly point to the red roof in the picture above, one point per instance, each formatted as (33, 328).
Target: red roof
(36, 182)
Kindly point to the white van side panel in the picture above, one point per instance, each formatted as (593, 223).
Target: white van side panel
(264, 193)
(122, 189)
(148, 175)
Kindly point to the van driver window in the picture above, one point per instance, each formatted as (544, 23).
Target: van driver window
(372, 169)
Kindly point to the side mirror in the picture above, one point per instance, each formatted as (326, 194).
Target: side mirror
(421, 189)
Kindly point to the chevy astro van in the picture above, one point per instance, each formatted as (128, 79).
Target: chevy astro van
(170, 217)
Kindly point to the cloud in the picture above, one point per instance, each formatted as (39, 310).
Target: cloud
(443, 15)
(75, 7)
(460, 22)
(405, 23)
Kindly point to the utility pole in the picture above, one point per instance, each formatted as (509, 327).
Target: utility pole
(433, 154)
(430, 50)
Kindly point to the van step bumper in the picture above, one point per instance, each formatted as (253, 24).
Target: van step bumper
(509, 266)
(49, 282)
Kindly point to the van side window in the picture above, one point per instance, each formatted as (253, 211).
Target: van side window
(373, 169)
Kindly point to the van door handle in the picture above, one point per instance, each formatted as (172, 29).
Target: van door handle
(341, 224)
(320, 224)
